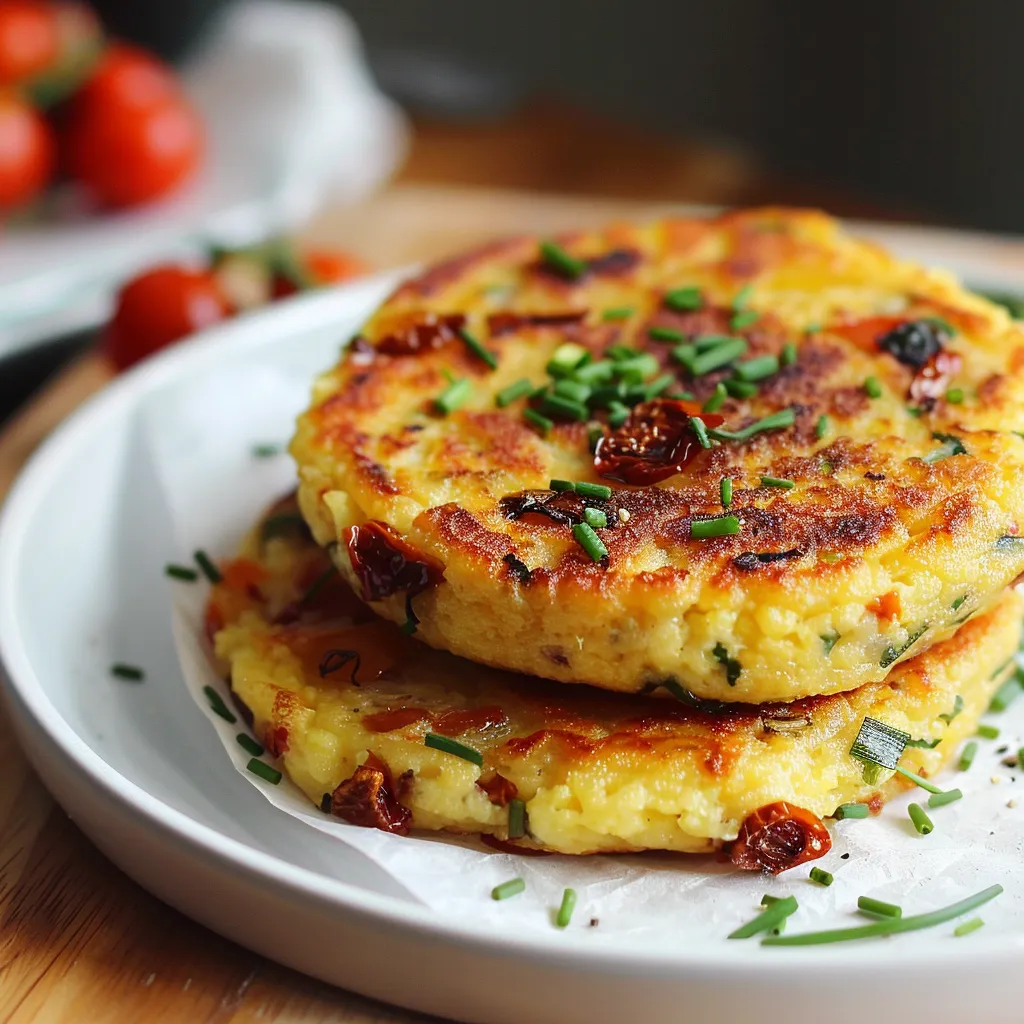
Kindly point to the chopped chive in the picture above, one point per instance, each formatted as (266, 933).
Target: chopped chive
(181, 572)
(717, 399)
(618, 313)
(217, 705)
(742, 297)
(988, 732)
(565, 910)
(924, 744)
(768, 901)
(595, 518)
(829, 640)
(248, 744)
(681, 396)
(950, 796)
(638, 367)
(658, 386)
(955, 396)
(879, 744)
(281, 525)
(757, 368)
(266, 451)
(453, 396)
(606, 395)
(715, 358)
(872, 388)
(774, 481)
(725, 490)
(951, 445)
(890, 926)
(599, 372)
(574, 390)
(619, 352)
(683, 300)
(967, 756)
(1006, 694)
(929, 787)
(719, 526)
(130, 672)
(685, 354)
(473, 344)
(745, 318)
(450, 746)
(590, 542)
(560, 485)
(844, 811)
(878, 907)
(921, 821)
(566, 358)
(520, 389)
(741, 388)
(776, 421)
(699, 427)
(561, 261)
(787, 357)
(617, 414)
(732, 666)
(915, 410)
(958, 706)
(209, 570)
(511, 888)
(264, 771)
(666, 334)
(767, 919)
(822, 428)
(516, 818)
(564, 408)
(967, 927)
(821, 876)
(955, 606)
(599, 492)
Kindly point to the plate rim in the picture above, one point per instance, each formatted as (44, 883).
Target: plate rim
(27, 694)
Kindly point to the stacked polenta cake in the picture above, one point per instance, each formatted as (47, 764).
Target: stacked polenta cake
(635, 539)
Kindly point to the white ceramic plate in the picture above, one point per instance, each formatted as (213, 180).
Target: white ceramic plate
(291, 116)
(82, 543)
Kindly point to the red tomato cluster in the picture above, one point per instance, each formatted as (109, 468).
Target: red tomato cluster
(109, 116)
(170, 302)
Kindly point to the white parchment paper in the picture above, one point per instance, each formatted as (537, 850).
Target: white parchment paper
(200, 438)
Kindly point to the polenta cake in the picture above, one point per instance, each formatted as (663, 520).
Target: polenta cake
(382, 731)
(749, 456)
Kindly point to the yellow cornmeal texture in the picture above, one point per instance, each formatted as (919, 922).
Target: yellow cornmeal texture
(598, 771)
(880, 549)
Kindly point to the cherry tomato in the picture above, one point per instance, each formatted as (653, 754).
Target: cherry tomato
(160, 307)
(129, 156)
(29, 39)
(126, 77)
(331, 267)
(27, 152)
(320, 267)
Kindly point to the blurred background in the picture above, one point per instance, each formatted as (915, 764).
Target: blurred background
(903, 111)
(905, 108)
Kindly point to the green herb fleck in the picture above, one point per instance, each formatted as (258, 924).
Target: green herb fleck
(248, 744)
(967, 755)
(822, 427)
(920, 818)
(560, 261)
(264, 771)
(719, 526)
(453, 396)
(967, 927)
(684, 300)
(788, 356)
(745, 318)
(131, 673)
(669, 334)
(618, 313)
(513, 887)
(948, 797)
(951, 445)
(878, 908)
(454, 747)
(844, 811)
(564, 915)
(717, 399)
(768, 919)
(955, 396)
(473, 344)
(872, 388)
(206, 566)
(506, 396)
(590, 542)
(181, 572)
(733, 668)
(725, 491)
(958, 706)
(829, 640)
(774, 481)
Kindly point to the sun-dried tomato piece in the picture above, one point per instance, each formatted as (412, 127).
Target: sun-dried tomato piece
(779, 836)
(424, 333)
(385, 564)
(932, 379)
(565, 507)
(394, 718)
(499, 790)
(654, 443)
(454, 723)
(503, 323)
(368, 798)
